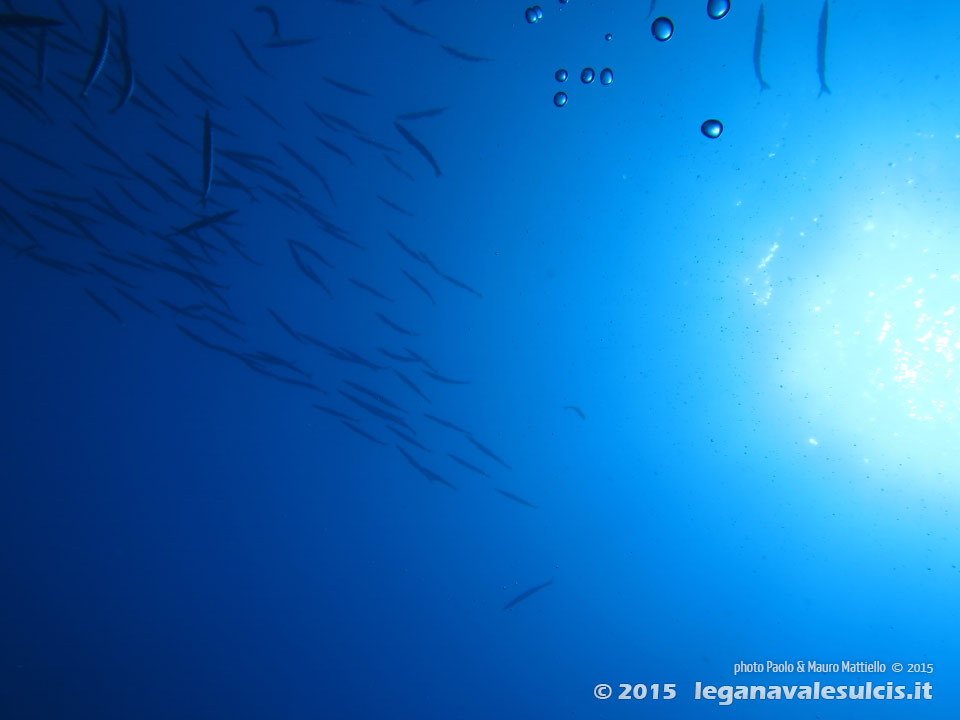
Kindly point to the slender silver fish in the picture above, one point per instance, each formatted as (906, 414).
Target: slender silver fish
(207, 156)
(758, 50)
(99, 54)
(822, 50)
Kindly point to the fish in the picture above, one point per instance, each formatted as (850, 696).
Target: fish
(417, 114)
(42, 59)
(822, 49)
(335, 413)
(441, 378)
(465, 56)
(362, 433)
(407, 438)
(577, 410)
(419, 285)
(285, 326)
(198, 93)
(129, 80)
(469, 466)
(406, 248)
(372, 290)
(374, 143)
(18, 21)
(527, 593)
(263, 111)
(446, 423)
(389, 323)
(758, 49)
(426, 472)
(419, 147)
(99, 53)
(130, 298)
(374, 410)
(515, 498)
(394, 206)
(66, 11)
(409, 383)
(102, 304)
(487, 451)
(404, 24)
(393, 163)
(207, 157)
(197, 74)
(269, 358)
(289, 42)
(653, 6)
(272, 14)
(36, 156)
(203, 222)
(250, 57)
(375, 395)
(346, 88)
(453, 281)
(336, 149)
(307, 248)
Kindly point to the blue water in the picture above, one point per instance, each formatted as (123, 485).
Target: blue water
(758, 330)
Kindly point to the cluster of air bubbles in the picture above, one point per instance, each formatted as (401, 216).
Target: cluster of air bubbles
(662, 29)
(587, 76)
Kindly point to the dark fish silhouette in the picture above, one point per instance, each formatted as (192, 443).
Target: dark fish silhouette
(249, 55)
(441, 378)
(130, 298)
(487, 451)
(99, 53)
(346, 88)
(263, 111)
(129, 81)
(446, 423)
(758, 49)
(394, 206)
(407, 438)
(335, 148)
(393, 163)
(18, 21)
(524, 595)
(465, 56)
(418, 146)
(289, 42)
(272, 14)
(335, 413)
(374, 410)
(404, 24)
(467, 465)
(419, 285)
(105, 307)
(577, 410)
(426, 472)
(285, 326)
(375, 395)
(389, 323)
(822, 49)
(409, 383)
(207, 157)
(372, 290)
(363, 433)
(515, 498)
(203, 222)
(432, 112)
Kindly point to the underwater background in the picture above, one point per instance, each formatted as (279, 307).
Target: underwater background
(348, 372)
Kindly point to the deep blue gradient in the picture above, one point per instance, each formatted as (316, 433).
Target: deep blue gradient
(767, 465)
